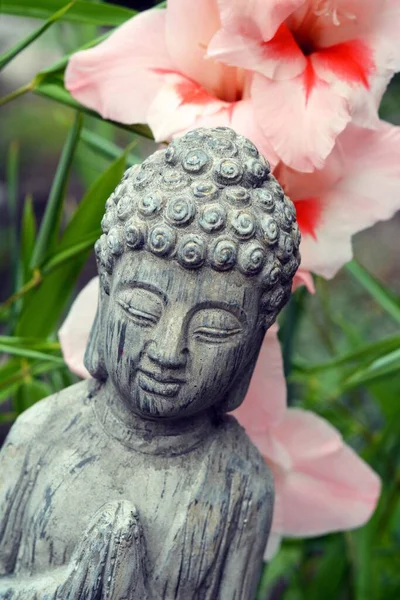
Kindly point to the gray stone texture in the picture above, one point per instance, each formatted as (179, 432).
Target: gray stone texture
(136, 484)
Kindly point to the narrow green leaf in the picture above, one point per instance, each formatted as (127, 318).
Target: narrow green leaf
(7, 56)
(12, 201)
(105, 148)
(87, 217)
(50, 85)
(29, 393)
(365, 355)
(384, 366)
(71, 252)
(45, 307)
(33, 354)
(82, 12)
(8, 417)
(50, 223)
(28, 237)
(383, 296)
(29, 342)
(8, 385)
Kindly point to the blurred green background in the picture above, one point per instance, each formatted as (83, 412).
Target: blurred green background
(341, 346)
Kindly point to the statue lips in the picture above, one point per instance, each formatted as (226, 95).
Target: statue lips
(156, 383)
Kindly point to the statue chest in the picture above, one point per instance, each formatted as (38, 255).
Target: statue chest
(72, 485)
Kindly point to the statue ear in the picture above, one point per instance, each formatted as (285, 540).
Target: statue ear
(94, 354)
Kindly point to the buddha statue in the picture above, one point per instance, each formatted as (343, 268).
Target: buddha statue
(137, 484)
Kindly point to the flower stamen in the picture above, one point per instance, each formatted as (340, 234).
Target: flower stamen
(328, 8)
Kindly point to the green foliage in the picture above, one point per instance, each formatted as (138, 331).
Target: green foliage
(81, 12)
(334, 364)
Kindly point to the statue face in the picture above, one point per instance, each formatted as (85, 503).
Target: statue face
(176, 340)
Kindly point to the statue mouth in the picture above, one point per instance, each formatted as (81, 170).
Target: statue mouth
(157, 384)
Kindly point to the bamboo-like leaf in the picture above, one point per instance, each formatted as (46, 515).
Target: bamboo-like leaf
(29, 393)
(105, 148)
(32, 354)
(87, 217)
(9, 384)
(50, 223)
(28, 237)
(94, 13)
(365, 355)
(70, 252)
(7, 56)
(384, 297)
(29, 342)
(47, 303)
(383, 366)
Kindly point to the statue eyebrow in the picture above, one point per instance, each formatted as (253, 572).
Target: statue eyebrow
(144, 285)
(232, 307)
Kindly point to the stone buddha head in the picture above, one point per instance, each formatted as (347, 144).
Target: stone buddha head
(196, 260)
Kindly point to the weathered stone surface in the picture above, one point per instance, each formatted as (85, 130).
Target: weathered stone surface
(136, 484)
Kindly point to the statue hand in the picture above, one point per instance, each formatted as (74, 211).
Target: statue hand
(109, 561)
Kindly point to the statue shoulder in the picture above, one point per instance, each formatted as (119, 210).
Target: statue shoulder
(45, 414)
(243, 459)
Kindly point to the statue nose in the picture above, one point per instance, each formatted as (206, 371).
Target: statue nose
(168, 349)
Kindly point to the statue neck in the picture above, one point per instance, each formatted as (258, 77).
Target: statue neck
(159, 436)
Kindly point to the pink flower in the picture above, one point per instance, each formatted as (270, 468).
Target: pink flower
(317, 65)
(321, 485)
(359, 185)
(153, 69)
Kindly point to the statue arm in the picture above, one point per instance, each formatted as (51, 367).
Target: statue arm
(17, 480)
(250, 530)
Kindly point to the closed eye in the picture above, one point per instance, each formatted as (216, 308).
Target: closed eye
(215, 335)
(139, 316)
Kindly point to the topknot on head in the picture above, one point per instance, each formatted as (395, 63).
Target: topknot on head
(208, 198)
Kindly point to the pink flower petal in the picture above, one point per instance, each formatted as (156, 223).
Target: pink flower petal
(179, 106)
(188, 33)
(279, 58)
(119, 78)
(265, 402)
(301, 118)
(74, 332)
(367, 192)
(303, 278)
(306, 436)
(327, 487)
(256, 19)
(333, 493)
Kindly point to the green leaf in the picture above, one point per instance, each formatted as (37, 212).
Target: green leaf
(50, 224)
(16, 371)
(12, 201)
(50, 85)
(28, 237)
(71, 251)
(364, 355)
(105, 148)
(33, 354)
(330, 570)
(29, 393)
(6, 57)
(88, 215)
(384, 297)
(47, 302)
(94, 13)
(384, 366)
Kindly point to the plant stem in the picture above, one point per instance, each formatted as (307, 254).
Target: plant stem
(30, 285)
(17, 93)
